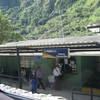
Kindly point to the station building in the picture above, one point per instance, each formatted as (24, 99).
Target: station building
(83, 51)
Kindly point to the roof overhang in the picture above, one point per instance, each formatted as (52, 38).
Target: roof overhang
(33, 46)
(21, 54)
(85, 53)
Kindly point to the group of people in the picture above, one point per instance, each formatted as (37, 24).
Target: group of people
(56, 77)
(36, 79)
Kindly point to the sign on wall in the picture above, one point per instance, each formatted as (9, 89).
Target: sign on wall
(53, 53)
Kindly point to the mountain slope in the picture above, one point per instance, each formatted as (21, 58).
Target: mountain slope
(54, 18)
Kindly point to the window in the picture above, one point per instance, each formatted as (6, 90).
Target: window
(72, 64)
(68, 64)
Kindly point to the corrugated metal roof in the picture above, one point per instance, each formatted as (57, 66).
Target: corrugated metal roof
(53, 42)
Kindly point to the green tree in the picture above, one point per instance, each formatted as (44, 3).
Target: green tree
(7, 30)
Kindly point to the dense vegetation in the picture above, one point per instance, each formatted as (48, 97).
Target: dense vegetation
(54, 18)
(8, 32)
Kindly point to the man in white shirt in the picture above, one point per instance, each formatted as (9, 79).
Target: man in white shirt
(57, 74)
(57, 71)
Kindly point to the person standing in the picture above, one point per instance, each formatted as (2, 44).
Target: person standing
(23, 75)
(39, 76)
(34, 85)
(57, 74)
(51, 80)
(34, 82)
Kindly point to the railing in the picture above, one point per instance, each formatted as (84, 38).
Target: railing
(86, 94)
(9, 80)
(8, 76)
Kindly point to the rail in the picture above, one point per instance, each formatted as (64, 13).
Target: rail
(9, 76)
(86, 94)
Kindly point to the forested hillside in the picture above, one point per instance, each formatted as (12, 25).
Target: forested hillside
(8, 31)
(54, 18)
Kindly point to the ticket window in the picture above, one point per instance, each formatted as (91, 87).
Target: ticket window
(72, 64)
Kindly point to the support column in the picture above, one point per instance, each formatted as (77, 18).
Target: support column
(19, 69)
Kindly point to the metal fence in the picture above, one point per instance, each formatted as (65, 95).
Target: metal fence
(86, 94)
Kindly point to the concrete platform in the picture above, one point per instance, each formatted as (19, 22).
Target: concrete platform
(64, 93)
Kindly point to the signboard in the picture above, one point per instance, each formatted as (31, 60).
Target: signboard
(53, 53)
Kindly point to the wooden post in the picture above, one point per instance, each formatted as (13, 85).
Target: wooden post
(19, 69)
